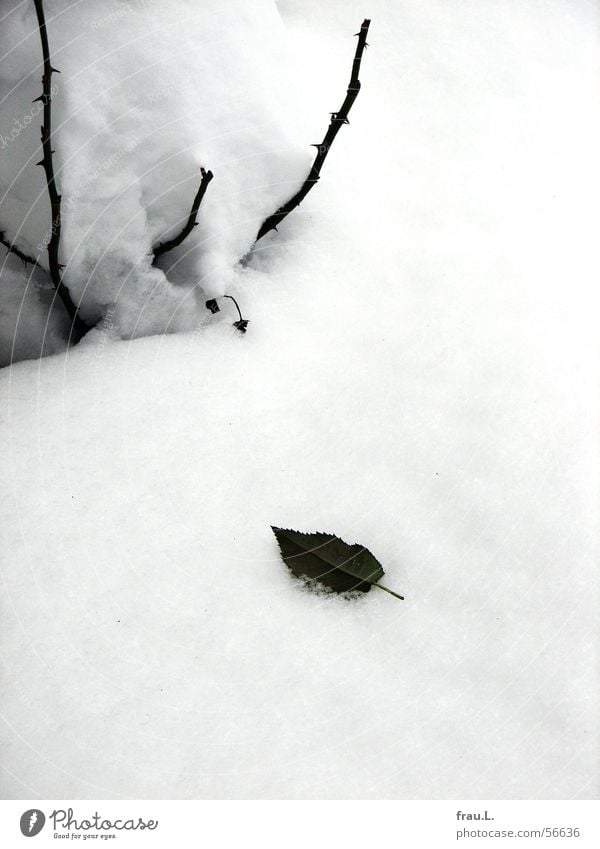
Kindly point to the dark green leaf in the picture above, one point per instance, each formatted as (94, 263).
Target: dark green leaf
(330, 561)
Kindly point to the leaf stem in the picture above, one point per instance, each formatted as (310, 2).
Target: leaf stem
(391, 592)
(231, 298)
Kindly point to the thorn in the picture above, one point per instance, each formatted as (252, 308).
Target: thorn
(41, 97)
(41, 162)
(54, 70)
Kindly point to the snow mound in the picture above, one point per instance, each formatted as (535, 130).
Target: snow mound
(149, 92)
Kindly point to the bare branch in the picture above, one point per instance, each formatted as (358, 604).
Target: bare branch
(337, 120)
(163, 247)
(46, 162)
(13, 249)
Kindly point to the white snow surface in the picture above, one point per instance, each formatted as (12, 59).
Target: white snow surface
(418, 376)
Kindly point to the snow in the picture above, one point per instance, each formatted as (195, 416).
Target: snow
(32, 321)
(135, 118)
(418, 376)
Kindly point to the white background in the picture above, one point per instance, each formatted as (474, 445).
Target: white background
(419, 376)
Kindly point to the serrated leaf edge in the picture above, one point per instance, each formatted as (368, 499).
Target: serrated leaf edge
(275, 528)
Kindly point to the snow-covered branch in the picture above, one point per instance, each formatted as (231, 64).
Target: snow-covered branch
(13, 249)
(46, 162)
(191, 222)
(337, 120)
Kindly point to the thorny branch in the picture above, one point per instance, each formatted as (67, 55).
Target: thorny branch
(13, 249)
(337, 119)
(46, 162)
(163, 247)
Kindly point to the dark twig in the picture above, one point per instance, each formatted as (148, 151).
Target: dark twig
(237, 306)
(13, 249)
(337, 120)
(46, 162)
(191, 222)
(241, 325)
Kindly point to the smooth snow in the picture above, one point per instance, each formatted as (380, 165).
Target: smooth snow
(417, 377)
